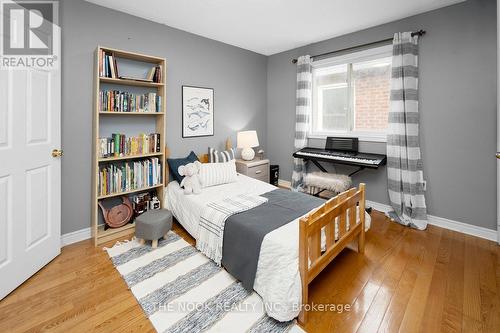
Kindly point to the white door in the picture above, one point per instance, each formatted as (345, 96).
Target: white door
(498, 122)
(30, 178)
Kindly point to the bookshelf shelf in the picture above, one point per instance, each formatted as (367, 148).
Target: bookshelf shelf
(128, 82)
(112, 233)
(129, 157)
(100, 235)
(114, 113)
(134, 55)
(118, 194)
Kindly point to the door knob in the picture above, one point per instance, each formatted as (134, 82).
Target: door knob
(57, 153)
(497, 155)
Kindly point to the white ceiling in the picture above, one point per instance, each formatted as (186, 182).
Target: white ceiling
(272, 26)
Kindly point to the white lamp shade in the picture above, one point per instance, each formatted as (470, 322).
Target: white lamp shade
(247, 139)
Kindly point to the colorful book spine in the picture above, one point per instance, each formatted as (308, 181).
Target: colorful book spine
(129, 176)
(120, 101)
(118, 145)
(107, 65)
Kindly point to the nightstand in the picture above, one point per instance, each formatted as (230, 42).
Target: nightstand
(258, 169)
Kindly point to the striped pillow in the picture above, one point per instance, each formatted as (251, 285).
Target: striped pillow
(212, 174)
(214, 156)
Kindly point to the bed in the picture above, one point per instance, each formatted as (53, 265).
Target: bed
(292, 255)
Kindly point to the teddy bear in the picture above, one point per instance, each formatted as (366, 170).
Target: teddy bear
(191, 181)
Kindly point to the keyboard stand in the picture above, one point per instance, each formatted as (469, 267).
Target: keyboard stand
(359, 167)
(356, 171)
(320, 167)
(316, 163)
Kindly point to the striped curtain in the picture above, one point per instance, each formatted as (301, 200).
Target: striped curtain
(404, 163)
(302, 117)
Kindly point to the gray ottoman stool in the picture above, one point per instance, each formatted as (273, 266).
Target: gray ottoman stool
(153, 225)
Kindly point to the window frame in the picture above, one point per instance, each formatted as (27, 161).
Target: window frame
(364, 55)
(321, 92)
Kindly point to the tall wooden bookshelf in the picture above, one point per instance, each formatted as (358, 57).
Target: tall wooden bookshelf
(100, 235)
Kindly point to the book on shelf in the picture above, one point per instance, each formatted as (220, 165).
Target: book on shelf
(153, 75)
(158, 76)
(134, 79)
(122, 101)
(118, 145)
(107, 65)
(129, 176)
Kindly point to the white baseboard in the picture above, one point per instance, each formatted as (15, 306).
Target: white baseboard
(378, 206)
(469, 229)
(75, 236)
(464, 228)
(442, 222)
(445, 223)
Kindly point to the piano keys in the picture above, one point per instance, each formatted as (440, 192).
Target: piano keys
(365, 160)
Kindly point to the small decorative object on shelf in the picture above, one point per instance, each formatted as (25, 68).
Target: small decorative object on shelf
(140, 203)
(118, 215)
(154, 203)
(261, 154)
(144, 202)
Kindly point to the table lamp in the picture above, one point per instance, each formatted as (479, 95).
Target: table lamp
(247, 140)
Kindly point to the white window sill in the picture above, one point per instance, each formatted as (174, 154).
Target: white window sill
(362, 136)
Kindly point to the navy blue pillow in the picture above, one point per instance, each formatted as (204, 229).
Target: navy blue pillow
(175, 163)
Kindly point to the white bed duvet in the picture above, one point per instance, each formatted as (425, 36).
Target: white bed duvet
(277, 278)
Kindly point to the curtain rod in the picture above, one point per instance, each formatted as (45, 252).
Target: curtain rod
(416, 33)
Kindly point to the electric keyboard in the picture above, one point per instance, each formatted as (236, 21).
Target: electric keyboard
(365, 160)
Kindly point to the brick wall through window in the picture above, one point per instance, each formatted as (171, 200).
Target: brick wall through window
(371, 97)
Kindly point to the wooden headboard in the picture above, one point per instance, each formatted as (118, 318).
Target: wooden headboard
(203, 158)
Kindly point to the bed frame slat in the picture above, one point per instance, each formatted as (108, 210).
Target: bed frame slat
(330, 227)
(352, 212)
(342, 217)
(326, 217)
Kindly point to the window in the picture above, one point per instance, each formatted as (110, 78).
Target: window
(351, 95)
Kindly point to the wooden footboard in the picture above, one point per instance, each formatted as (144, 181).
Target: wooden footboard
(340, 211)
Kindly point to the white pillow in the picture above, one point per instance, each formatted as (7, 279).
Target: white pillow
(215, 156)
(212, 174)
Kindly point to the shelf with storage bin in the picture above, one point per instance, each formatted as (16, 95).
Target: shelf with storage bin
(154, 121)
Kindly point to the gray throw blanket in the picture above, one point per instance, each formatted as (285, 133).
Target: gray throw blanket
(244, 232)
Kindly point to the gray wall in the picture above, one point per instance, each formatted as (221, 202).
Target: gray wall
(238, 77)
(457, 108)
(457, 100)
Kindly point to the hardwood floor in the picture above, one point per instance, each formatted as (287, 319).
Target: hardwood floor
(408, 281)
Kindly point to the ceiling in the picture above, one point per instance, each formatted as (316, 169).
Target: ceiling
(272, 26)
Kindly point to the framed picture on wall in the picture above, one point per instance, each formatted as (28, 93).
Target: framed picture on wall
(197, 111)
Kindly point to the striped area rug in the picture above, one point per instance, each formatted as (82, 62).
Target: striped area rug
(181, 290)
